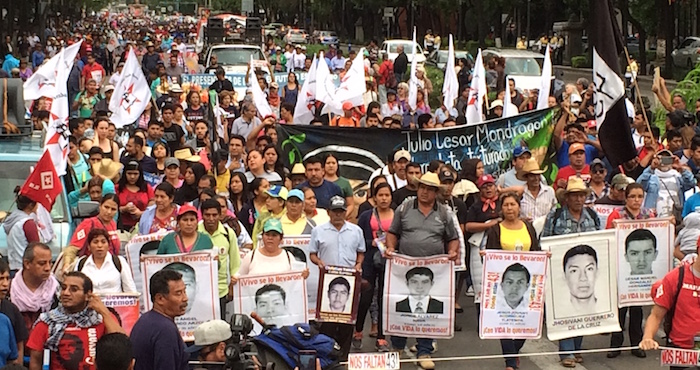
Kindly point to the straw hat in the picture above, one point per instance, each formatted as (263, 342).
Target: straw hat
(298, 169)
(429, 179)
(531, 166)
(576, 185)
(107, 168)
(185, 154)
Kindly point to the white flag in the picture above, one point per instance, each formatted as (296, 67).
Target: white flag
(43, 82)
(413, 80)
(509, 109)
(131, 95)
(325, 89)
(259, 97)
(57, 131)
(477, 92)
(450, 88)
(546, 82)
(303, 113)
(351, 88)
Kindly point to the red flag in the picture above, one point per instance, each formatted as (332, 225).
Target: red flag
(43, 185)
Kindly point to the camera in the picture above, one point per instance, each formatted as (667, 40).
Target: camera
(239, 355)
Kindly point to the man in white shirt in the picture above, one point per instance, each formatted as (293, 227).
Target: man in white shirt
(398, 179)
(299, 58)
(289, 54)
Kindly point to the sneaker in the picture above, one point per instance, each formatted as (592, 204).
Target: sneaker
(470, 292)
(382, 346)
(357, 341)
(425, 362)
(414, 349)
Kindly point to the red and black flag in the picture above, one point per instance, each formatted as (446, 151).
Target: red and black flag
(611, 113)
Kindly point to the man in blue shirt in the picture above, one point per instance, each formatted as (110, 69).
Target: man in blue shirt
(323, 189)
(338, 243)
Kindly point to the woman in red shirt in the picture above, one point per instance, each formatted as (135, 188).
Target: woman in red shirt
(134, 196)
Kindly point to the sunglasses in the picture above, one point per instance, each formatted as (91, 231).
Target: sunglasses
(598, 171)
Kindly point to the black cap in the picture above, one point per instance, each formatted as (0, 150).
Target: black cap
(446, 175)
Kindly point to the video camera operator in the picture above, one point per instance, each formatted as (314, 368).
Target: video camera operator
(218, 345)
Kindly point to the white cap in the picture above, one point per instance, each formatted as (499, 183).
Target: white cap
(402, 154)
(211, 332)
(497, 103)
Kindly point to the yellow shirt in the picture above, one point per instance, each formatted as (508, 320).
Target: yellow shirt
(512, 238)
(295, 228)
(222, 181)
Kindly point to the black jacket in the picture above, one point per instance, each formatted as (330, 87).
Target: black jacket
(401, 64)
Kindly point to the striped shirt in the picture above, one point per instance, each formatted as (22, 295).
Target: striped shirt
(533, 207)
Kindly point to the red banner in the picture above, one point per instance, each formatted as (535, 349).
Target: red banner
(43, 185)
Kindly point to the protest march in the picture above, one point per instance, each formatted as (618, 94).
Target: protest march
(169, 206)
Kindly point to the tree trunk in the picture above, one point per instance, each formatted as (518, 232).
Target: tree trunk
(669, 31)
(624, 9)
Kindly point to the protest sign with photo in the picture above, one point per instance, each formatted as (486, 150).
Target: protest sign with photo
(126, 305)
(581, 289)
(339, 292)
(419, 293)
(279, 299)
(360, 153)
(512, 297)
(200, 274)
(141, 245)
(298, 246)
(644, 255)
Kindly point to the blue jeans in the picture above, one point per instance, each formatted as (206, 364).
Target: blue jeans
(423, 345)
(511, 347)
(570, 344)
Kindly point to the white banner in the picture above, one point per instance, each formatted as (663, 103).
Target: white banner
(419, 293)
(278, 299)
(604, 211)
(512, 298)
(298, 246)
(200, 274)
(141, 245)
(581, 294)
(644, 255)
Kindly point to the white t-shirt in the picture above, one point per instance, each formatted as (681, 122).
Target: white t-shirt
(669, 186)
(256, 263)
(107, 279)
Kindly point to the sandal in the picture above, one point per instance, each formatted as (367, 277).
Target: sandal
(568, 362)
(578, 358)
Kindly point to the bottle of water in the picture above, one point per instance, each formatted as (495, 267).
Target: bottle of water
(47, 360)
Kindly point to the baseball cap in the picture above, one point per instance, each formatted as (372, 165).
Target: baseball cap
(208, 333)
(274, 85)
(485, 179)
(337, 202)
(170, 161)
(296, 193)
(575, 147)
(620, 181)
(347, 105)
(597, 162)
(520, 150)
(278, 191)
(403, 153)
(186, 209)
(109, 88)
(497, 103)
(446, 175)
(591, 123)
(273, 224)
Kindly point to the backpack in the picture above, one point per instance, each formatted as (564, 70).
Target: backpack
(287, 341)
(117, 263)
(590, 211)
(668, 320)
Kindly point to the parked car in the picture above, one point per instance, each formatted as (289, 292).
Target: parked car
(327, 38)
(687, 54)
(438, 58)
(525, 67)
(18, 157)
(296, 36)
(391, 47)
(273, 29)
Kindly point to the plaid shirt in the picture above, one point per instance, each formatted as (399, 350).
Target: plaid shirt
(560, 222)
(593, 197)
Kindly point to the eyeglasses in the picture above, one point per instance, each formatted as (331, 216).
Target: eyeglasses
(602, 170)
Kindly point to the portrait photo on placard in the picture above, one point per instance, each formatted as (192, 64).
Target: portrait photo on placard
(338, 292)
(586, 288)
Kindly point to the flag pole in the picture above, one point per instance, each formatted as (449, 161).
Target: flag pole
(638, 93)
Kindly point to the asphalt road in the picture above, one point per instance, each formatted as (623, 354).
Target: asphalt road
(468, 343)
